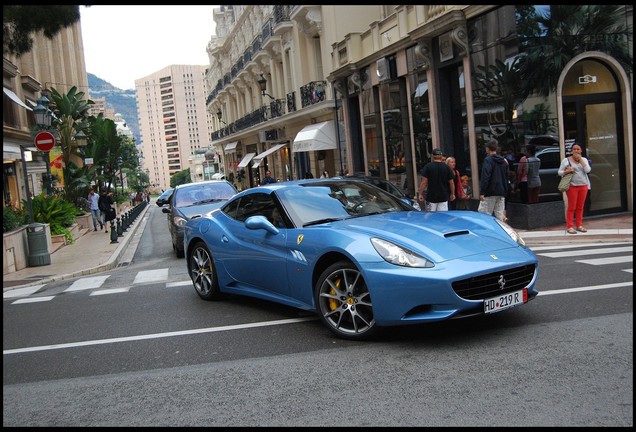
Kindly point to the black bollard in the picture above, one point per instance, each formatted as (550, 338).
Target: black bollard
(113, 232)
(120, 231)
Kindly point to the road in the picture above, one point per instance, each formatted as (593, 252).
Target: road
(136, 346)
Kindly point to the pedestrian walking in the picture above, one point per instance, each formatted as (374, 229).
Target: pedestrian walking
(437, 187)
(105, 206)
(493, 184)
(579, 186)
(93, 206)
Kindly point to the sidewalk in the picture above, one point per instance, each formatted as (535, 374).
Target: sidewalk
(93, 252)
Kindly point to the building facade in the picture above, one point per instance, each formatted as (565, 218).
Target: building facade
(52, 63)
(173, 120)
(375, 88)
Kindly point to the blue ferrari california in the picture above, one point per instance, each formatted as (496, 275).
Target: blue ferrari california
(357, 256)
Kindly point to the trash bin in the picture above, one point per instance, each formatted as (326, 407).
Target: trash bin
(38, 245)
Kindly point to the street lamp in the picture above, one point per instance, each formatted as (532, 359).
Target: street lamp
(43, 117)
(81, 140)
(219, 115)
(262, 83)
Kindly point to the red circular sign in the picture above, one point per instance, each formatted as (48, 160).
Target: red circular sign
(44, 141)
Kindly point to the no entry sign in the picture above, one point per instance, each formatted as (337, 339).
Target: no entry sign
(44, 141)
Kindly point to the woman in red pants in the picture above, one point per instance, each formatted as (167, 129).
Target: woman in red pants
(577, 191)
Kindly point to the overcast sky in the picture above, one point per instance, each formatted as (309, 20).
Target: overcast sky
(125, 43)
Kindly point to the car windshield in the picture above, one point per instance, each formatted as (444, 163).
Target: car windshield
(323, 202)
(202, 193)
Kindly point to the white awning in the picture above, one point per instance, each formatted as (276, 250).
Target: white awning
(246, 159)
(14, 97)
(319, 136)
(259, 157)
(231, 147)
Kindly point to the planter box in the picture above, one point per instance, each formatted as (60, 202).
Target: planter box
(16, 249)
(85, 221)
(61, 238)
(531, 216)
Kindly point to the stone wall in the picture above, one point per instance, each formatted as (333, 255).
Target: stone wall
(538, 215)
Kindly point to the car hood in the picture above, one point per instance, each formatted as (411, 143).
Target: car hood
(439, 236)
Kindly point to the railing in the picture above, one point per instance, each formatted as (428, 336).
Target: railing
(312, 93)
(291, 102)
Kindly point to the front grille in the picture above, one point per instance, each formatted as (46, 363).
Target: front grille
(489, 285)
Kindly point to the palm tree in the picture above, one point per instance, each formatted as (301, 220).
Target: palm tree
(70, 114)
(550, 39)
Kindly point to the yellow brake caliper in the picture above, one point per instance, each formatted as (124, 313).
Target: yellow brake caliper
(333, 303)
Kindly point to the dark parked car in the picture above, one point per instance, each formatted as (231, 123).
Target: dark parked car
(192, 200)
(357, 256)
(164, 198)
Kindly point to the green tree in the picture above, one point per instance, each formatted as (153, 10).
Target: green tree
(550, 38)
(105, 149)
(70, 116)
(181, 177)
(19, 22)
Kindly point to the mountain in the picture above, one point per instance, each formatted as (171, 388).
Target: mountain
(122, 101)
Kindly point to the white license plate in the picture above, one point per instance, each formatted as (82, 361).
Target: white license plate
(505, 301)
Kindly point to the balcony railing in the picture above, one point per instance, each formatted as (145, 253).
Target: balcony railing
(281, 13)
(312, 93)
(291, 102)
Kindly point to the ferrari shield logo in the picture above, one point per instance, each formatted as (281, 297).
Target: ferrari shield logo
(300, 238)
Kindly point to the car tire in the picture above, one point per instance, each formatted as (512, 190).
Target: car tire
(203, 272)
(343, 302)
(179, 251)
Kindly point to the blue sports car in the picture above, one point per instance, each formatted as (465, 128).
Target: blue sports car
(357, 256)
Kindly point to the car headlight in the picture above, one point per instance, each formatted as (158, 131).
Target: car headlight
(511, 232)
(398, 255)
(179, 221)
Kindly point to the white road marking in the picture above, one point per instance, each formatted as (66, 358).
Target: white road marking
(87, 283)
(587, 252)
(590, 288)
(33, 300)
(110, 291)
(21, 292)
(571, 246)
(156, 335)
(176, 284)
(151, 276)
(609, 260)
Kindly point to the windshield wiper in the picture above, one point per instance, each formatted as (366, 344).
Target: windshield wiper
(207, 201)
(321, 221)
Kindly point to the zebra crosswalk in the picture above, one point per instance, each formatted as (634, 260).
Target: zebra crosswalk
(589, 253)
(97, 285)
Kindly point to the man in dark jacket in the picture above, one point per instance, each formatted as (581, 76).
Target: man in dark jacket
(493, 184)
(438, 183)
(105, 206)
